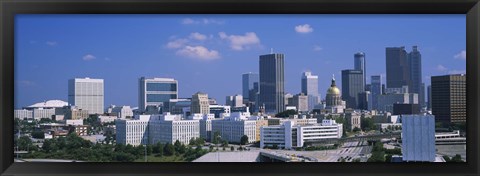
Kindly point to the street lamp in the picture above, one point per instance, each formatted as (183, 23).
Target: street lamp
(145, 145)
(218, 152)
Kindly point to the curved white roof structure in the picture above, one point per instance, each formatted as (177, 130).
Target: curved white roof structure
(49, 104)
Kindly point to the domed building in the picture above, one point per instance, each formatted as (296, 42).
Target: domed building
(333, 100)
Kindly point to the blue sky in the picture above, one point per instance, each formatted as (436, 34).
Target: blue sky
(210, 52)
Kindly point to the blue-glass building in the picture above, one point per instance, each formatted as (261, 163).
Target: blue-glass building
(418, 138)
(156, 91)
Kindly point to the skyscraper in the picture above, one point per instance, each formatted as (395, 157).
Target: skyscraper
(352, 85)
(199, 104)
(360, 64)
(234, 101)
(310, 88)
(376, 82)
(156, 91)
(272, 80)
(449, 98)
(429, 97)
(86, 94)
(397, 65)
(248, 81)
(415, 72)
(421, 97)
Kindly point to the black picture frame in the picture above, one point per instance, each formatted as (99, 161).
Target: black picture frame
(9, 8)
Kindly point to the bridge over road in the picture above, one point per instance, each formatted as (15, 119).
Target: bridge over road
(352, 139)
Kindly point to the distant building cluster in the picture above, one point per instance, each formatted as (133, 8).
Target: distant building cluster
(265, 113)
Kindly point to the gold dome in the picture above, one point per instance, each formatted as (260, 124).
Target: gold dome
(333, 90)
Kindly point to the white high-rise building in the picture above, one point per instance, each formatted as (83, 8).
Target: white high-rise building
(310, 88)
(156, 92)
(86, 93)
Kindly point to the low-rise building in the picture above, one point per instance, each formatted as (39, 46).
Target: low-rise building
(168, 128)
(22, 114)
(40, 113)
(74, 122)
(235, 126)
(122, 111)
(353, 120)
(72, 112)
(290, 135)
(132, 131)
(107, 119)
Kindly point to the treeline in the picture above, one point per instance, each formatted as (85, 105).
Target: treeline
(73, 147)
(381, 154)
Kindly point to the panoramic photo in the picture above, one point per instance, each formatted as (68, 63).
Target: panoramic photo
(240, 88)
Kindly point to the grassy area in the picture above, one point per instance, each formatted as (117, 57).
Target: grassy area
(153, 158)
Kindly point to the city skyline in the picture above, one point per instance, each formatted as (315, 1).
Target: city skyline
(217, 49)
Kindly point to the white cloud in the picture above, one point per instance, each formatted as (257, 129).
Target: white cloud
(188, 21)
(241, 42)
(441, 68)
(303, 28)
(88, 57)
(26, 83)
(198, 36)
(198, 52)
(317, 48)
(51, 43)
(201, 21)
(178, 43)
(462, 55)
(456, 72)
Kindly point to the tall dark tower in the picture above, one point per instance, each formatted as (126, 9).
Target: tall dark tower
(352, 85)
(272, 80)
(360, 64)
(398, 69)
(415, 66)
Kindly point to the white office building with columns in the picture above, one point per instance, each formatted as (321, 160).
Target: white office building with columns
(232, 128)
(168, 128)
(132, 131)
(289, 135)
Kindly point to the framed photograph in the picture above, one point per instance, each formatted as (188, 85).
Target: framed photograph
(239, 88)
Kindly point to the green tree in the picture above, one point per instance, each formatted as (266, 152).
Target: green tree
(169, 150)
(216, 137)
(356, 129)
(388, 158)
(45, 120)
(38, 135)
(24, 143)
(224, 143)
(456, 158)
(367, 124)
(244, 140)
(149, 149)
(286, 113)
